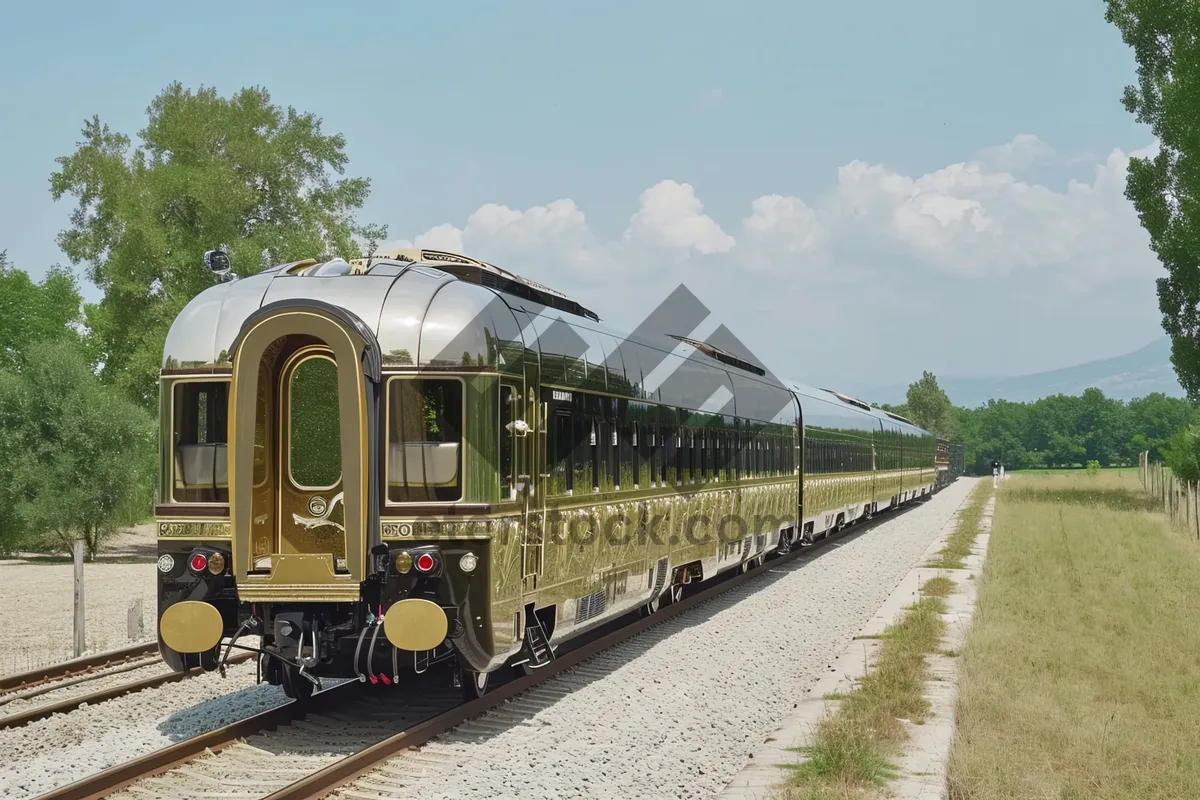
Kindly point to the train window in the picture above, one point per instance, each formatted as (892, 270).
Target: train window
(314, 433)
(508, 414)
(200, 466)
(626, 475)
(562, 447)
(639, 476)
(425, 435)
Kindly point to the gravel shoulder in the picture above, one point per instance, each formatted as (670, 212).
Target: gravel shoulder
(676, 712)
(37, 610)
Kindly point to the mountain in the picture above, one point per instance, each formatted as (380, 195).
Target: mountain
(1135, 374)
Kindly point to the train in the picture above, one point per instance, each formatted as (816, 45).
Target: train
(370, 467)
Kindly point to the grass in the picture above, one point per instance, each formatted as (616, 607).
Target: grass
(958, 544)
(1080, 677)
(850, 756)
(941, 586)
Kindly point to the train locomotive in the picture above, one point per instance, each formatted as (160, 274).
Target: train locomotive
(418, 458)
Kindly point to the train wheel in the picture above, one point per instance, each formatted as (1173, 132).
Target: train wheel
(474, 684)
(676, 593)
(295, 685)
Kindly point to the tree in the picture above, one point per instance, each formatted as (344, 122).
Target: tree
(930, 408)
(34, 312)
(207, 170)
(1165, 188)
(73, 449)
(1182, 454)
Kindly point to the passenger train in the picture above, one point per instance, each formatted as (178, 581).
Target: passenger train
(418, 458)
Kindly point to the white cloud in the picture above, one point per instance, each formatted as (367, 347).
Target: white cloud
(967, 218)
(672, 217)
(969, 238)
(1022, 152)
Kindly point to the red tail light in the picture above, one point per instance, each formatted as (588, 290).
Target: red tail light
(424, 562)
(198, 562)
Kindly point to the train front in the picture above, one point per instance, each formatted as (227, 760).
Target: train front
(306, 473)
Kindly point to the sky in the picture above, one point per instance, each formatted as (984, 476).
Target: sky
(859, 191)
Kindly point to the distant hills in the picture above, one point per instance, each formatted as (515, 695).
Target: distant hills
(1135, 374)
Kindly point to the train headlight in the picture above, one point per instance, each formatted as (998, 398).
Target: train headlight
(216, 563)
(166, 563)
(403, 562)
(468, 562)
(425, 562)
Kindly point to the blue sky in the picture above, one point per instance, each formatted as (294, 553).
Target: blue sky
(450, 107)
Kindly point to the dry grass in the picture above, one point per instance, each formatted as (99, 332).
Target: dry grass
(851, 753)
(941, 586)
(958, 544)
(1080, 677)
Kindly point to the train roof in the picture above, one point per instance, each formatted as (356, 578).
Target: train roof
(435, 309)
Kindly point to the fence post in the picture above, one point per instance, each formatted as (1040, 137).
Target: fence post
(134, 625)
(80, 637)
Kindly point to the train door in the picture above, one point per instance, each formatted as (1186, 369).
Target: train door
(534, 502)
(303, 424)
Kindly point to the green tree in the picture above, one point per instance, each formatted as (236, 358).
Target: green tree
(1183, 454)
(207, 170)
(34, 312)
(930, 408)
(74, 450)
(1165, 188)
(1154, 419)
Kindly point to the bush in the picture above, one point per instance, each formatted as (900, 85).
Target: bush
(1093, 467)
(73, 452)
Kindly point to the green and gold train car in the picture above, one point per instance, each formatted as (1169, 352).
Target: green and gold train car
(381, 465)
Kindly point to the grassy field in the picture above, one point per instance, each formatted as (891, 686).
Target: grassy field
(1080, 676)
(852, 751)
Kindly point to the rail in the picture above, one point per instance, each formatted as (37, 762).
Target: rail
(75, 667)
(101, 695)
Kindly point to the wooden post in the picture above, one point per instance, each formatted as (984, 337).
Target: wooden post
(80, 637)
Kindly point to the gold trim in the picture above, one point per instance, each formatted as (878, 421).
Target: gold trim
(347, 348)
(415, 624)
(187, 528)
(191, 626)
(298, 594)
(306, 569)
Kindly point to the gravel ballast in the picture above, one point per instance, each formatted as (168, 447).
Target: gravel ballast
(675, 712)
(52, 752)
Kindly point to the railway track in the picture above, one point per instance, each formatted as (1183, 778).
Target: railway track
(49, 680)
(74, 668)
(349, 730)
